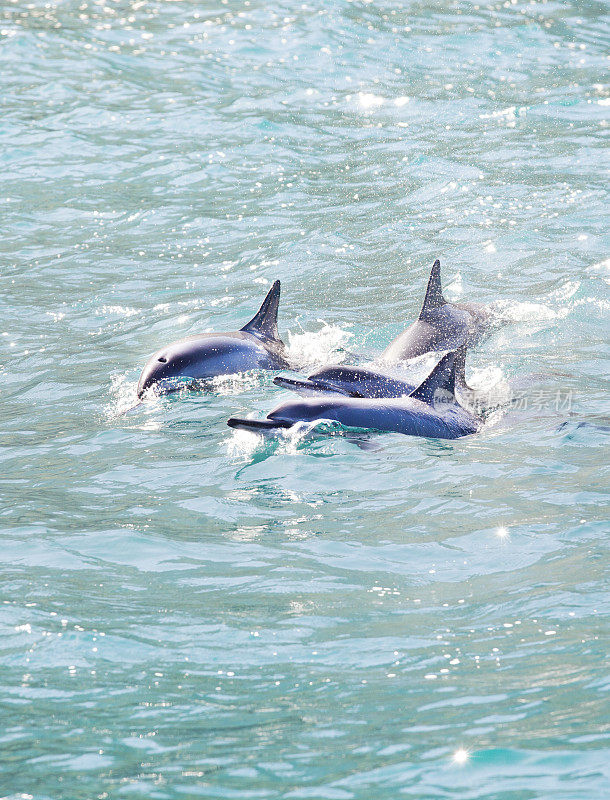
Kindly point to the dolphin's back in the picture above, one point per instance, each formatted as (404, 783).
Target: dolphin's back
(398, 415)
(222, 354)
(440, 325)
(361, 381)
(445, 328)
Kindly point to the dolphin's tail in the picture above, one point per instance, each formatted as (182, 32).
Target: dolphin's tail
(257, 425)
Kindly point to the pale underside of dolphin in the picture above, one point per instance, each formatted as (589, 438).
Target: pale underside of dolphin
(200, 358)
(441, 326)
(431, 410)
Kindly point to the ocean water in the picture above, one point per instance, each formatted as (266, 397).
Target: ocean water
(187, 611)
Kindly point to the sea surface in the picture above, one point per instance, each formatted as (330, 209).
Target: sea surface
(187, 611)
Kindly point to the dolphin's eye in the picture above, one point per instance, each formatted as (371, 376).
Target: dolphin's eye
(163, 360)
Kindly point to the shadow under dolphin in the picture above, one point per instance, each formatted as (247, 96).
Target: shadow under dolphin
(431, 410)
(198, 358)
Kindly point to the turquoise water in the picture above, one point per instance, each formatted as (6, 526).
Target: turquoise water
(187, 611)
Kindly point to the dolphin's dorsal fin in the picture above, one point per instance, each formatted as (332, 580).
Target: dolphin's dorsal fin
(440, 383)
(264, 322)
(434, 293)
(460, 370)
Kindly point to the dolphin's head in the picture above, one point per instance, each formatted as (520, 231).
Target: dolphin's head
(306, 410)
(286, 415)
(197, 359)
(349, 381)
(165, 371)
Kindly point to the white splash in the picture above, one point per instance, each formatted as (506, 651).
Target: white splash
(603, 268)
(313, 349)
(235, 383)
(455, 289)
(529, 312)
(567, 290)
(244, 444)
(486, 378)
(123, 396)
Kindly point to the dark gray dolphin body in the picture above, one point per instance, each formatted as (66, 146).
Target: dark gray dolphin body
(440, 326)
(431, 410)
(349, 381)
(256, 346)
(363, 382)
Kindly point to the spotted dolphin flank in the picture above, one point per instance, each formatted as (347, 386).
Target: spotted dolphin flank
(255, 346)
(441, 325)
(431, 410)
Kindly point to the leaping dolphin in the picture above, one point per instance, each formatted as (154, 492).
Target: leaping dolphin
(255, 346)
(431, 410)
(440, 326)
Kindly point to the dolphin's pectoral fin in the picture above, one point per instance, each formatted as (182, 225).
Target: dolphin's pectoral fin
(434, 293)
(264, 322)
(440, 383)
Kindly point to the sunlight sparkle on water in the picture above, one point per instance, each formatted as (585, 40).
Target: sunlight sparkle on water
(461, 756)
(503, 534)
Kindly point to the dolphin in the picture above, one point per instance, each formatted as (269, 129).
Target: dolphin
(431, 410)
(440, 326)
(255, 346)
(364, 382)
(348, 381)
